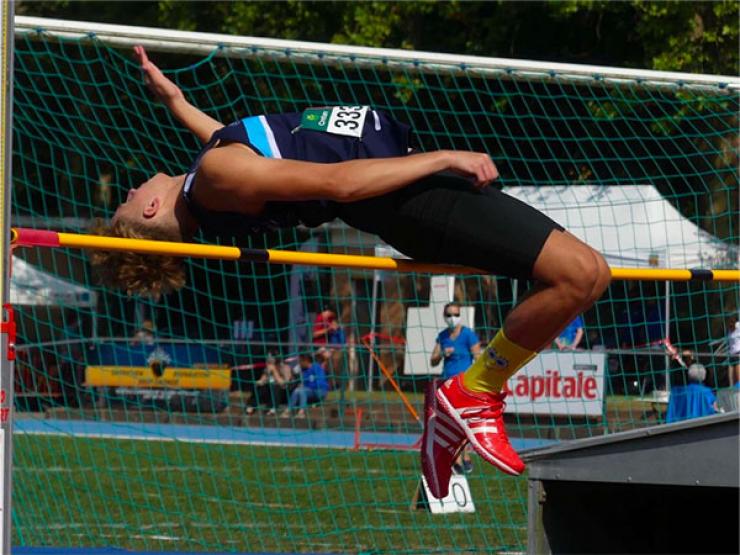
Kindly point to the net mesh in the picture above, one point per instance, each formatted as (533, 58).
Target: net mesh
(144, 466)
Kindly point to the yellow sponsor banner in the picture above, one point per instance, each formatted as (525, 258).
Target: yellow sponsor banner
(171, 378)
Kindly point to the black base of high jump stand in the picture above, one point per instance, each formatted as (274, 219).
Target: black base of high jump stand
(665, 489)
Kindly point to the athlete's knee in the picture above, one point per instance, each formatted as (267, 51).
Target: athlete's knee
(580, 277)
(578, 272)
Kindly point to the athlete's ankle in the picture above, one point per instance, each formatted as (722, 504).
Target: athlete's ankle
(500, 360)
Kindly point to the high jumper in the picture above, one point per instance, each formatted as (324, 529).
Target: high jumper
(357, 164)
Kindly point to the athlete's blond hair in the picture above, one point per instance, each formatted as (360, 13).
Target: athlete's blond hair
(136, 273)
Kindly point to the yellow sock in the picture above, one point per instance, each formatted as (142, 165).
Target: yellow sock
(497, 363)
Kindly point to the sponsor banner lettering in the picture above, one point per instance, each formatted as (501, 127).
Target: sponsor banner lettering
(556, 382)
(145, 377)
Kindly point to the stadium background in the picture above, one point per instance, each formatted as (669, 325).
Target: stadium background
(96, 144)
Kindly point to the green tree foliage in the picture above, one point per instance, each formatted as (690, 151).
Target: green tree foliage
(669, 35)
(690, 36)
(699, 37)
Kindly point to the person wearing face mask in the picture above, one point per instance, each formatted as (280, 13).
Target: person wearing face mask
(458, 346)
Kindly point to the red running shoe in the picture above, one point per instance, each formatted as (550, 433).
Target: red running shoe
(481, 417)
(441, 443)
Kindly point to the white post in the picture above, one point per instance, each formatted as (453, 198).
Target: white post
(7, 333)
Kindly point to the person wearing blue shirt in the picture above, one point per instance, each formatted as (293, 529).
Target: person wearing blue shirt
(313, 388)
(571, 336)
(458, 346)
(692, 400)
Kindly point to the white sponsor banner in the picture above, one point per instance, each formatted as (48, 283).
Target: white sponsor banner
(559, 382)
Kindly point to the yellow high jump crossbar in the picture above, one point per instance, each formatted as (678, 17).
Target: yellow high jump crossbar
(23, 237)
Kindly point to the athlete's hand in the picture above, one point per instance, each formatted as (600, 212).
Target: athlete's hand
(164, 89)
(476, 165)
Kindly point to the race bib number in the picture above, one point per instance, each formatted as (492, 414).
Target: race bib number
(348, 121)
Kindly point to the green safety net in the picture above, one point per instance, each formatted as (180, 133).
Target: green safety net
(649, 171)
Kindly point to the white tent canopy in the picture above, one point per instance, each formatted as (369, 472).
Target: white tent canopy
(629, 225)
(31, 286)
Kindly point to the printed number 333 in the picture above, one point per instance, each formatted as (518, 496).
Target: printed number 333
(348, 120)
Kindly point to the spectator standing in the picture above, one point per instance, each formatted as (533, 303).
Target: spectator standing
(692, 400)
(337, 344)
(322, 326)
(458, 346)
(312, 389)
(570, 338)
(335, 334)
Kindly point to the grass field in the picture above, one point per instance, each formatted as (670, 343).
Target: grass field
(165, 495)
(182, 496)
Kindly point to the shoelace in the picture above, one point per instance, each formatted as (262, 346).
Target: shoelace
(483, 417)
(489, 413)
(495, 412)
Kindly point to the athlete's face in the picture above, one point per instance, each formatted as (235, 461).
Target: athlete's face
(144, 203)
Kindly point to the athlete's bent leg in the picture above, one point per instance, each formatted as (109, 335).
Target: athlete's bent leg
(571, 277)
(442, 219)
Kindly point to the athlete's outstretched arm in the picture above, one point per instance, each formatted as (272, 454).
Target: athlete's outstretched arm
(202, 125)
(248, 178)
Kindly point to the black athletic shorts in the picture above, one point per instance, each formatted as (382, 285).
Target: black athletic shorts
(443, 218)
